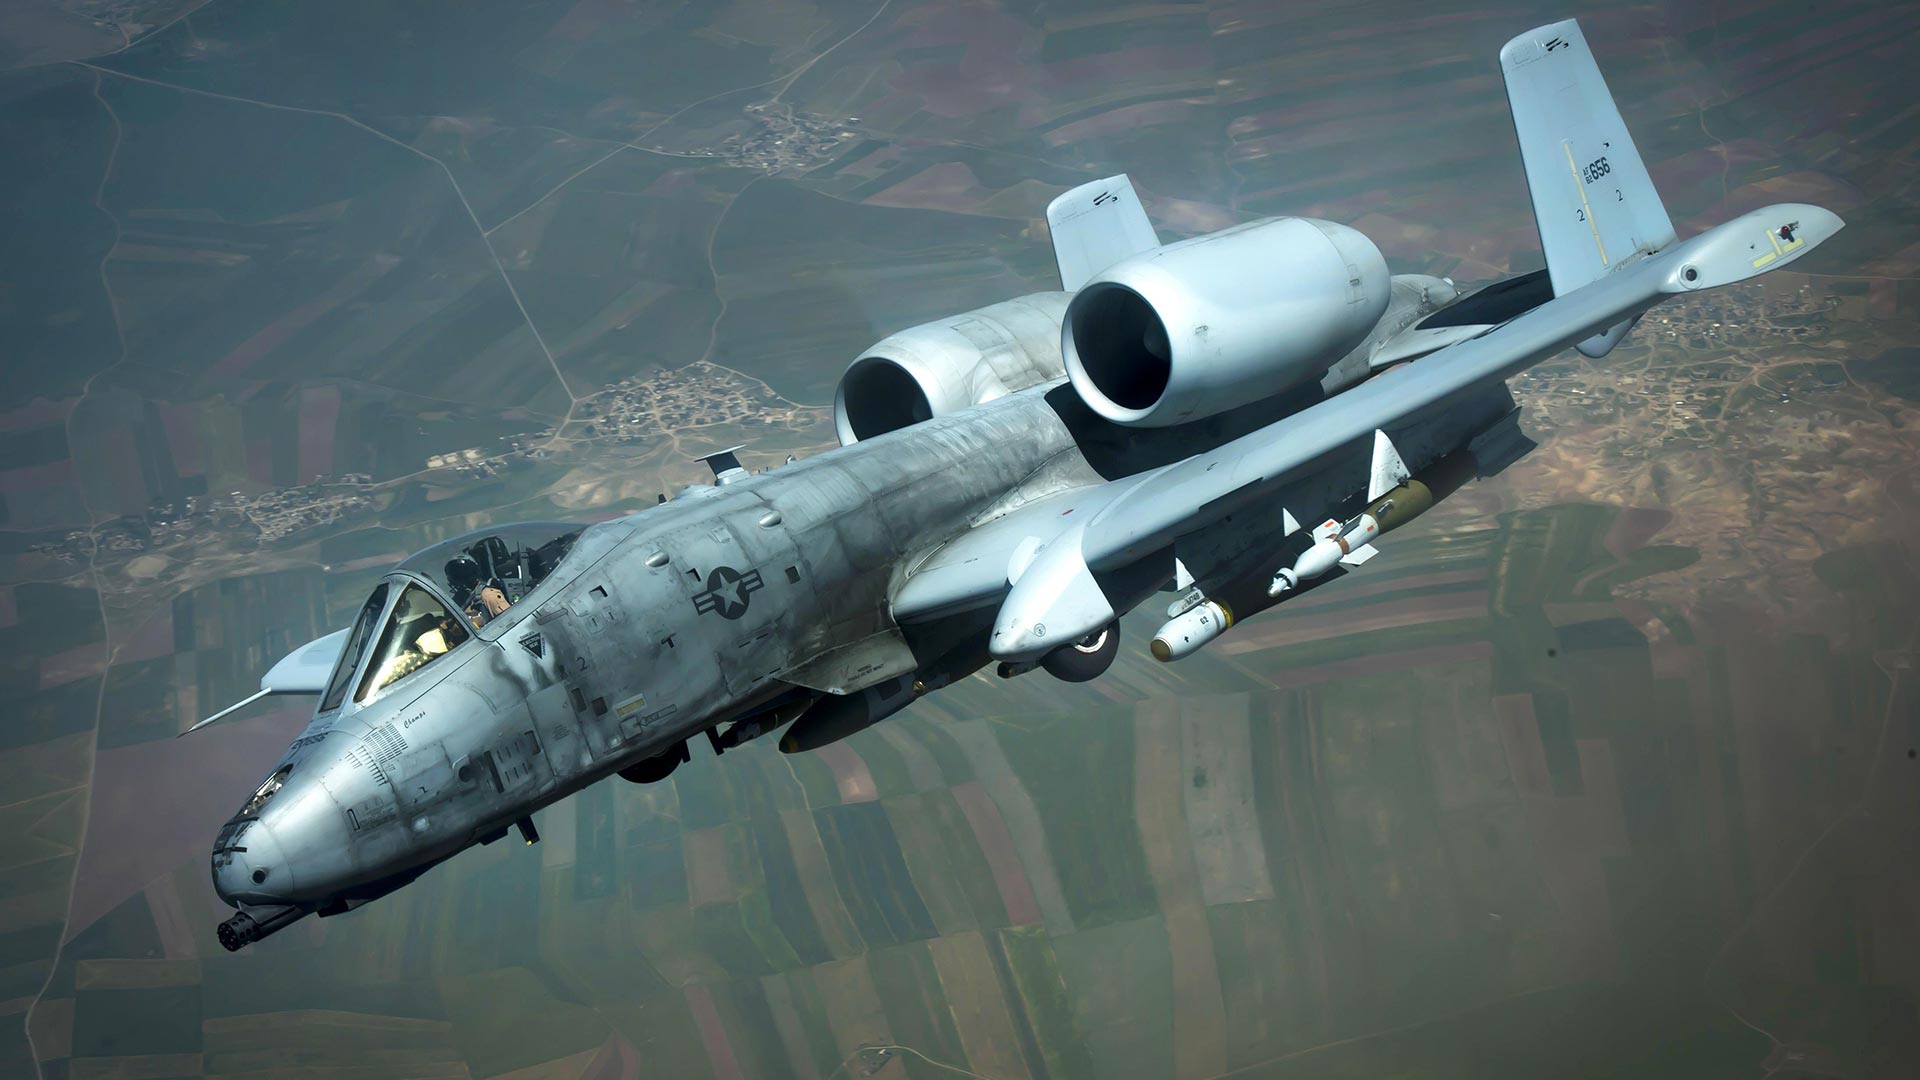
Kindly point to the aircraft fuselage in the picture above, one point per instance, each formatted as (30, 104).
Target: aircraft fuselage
(654, 628)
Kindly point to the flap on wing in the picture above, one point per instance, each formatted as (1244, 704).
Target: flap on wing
(305, 669)
(1096, 225)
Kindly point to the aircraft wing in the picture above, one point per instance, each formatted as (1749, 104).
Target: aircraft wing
(975, 568)
(1188, 494)
(1060, 541)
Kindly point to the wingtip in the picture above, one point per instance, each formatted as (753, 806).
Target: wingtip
(1522, 46)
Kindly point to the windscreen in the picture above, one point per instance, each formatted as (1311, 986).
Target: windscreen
(356, 646)
(420, 631)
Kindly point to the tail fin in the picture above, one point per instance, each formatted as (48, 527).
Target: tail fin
(1592, 197)
(1096, 225)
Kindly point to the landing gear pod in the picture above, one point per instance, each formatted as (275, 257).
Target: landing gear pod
(1087, 659)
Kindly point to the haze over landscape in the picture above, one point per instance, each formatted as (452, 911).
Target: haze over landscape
(1606, 766)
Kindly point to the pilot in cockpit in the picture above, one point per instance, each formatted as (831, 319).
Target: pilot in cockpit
(480, 597)
(418, 632)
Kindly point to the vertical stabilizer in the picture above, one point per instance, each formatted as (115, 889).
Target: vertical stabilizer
(1592, 197)
(1096, 225)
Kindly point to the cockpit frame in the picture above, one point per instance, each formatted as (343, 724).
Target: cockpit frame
(514, 562)
(418, 630)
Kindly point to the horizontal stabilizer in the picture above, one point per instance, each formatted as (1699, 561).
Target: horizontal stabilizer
(1096, 225)
(1359, 556)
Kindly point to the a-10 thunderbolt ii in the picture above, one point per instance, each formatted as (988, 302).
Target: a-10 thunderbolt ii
(1234, 417)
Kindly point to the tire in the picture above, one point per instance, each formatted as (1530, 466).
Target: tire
(1086, 659)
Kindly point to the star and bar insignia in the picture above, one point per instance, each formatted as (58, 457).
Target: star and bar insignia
(728, 592)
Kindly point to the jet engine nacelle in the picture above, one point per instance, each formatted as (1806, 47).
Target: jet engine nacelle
(941, 367)
(1200, 326)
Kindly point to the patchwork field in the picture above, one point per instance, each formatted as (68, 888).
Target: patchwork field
(1605, 767)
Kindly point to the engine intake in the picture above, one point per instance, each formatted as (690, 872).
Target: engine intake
(1203, 325)
(942, 367)
(1122, 345)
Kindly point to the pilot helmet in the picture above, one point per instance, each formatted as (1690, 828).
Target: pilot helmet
(463, 576)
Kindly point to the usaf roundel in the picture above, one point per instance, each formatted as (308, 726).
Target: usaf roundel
(727, 592)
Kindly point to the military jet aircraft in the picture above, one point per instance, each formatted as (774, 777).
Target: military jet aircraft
(1010, 481)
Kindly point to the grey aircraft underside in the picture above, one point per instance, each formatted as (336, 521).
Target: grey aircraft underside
(1228, 420)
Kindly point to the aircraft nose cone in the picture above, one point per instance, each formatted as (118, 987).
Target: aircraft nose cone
(251, 869)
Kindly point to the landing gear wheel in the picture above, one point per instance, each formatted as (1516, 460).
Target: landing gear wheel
(1086, 659)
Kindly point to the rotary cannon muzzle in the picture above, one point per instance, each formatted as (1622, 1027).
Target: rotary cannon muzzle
(247, 927)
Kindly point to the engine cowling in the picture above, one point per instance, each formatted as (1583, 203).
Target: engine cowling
(941, 367)
(1202, 325)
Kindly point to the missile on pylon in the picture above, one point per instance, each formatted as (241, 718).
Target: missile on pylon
(1242, 597)
(1337, 547)
(1391, 509)
(1185, 633)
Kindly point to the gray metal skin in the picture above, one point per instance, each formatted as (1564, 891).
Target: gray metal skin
(481, 738)
(1006, 528)
(620, 631)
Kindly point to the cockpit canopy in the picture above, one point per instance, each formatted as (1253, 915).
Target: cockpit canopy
(483, 573)
(420, 631)
(488, 571)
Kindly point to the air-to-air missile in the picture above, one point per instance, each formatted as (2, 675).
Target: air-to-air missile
(1010, 481)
